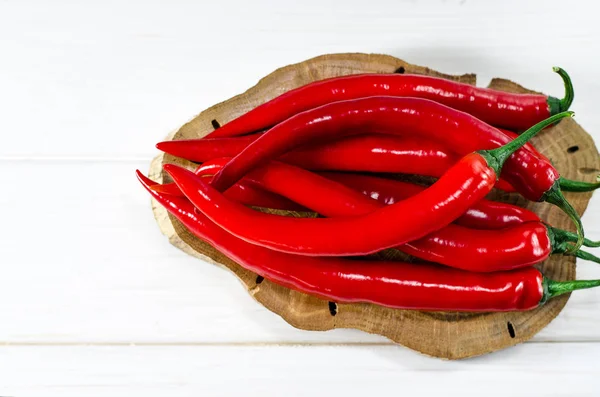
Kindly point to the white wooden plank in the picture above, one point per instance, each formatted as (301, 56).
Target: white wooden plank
(533, 369)
(83, 261)
(110, 79)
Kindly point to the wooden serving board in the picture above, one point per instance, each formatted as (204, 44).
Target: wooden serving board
(439, 334)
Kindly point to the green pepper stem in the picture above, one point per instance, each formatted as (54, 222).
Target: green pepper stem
(567, 101)
(568, 185)
(560, 246)
(556, 105)
(587, 256)
(555, 196)
(497, 157)
(562, 236)
(554, 288)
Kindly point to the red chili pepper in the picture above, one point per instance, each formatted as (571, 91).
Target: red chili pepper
(205, 149)
(300, 185)
(532, 177)
(368, 153)
(392, 284)
(516, 111)
(446, 200)
(521, 245)
(364, 153)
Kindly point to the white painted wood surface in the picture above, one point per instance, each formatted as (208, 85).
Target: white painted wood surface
(94, 301)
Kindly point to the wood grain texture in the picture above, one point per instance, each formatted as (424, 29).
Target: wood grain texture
(446, 335)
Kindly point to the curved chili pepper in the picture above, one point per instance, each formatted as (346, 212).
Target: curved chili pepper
(365, 153)
(298, 183)
(533, 178)
(392, 284)
(521, 245)
(446, 200)
(369, 153)
(516, 111)
(206, 149)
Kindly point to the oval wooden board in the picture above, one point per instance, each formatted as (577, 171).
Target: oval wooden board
(439, 334)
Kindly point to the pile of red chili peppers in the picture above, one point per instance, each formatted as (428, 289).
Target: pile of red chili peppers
(334, 148)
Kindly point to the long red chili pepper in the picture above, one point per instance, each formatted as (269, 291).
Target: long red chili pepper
(392, 284)
(364, 153)
(461, 247)
(515, 111)
(299, 184)
(446, 200)
(532, 177)
(205, 149)
(368, 153)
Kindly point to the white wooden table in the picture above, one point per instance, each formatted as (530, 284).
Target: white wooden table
(93, 299)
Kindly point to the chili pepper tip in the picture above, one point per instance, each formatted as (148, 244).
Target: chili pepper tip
(162, 145)
(144, 180)
(170, 188)
(173, 148)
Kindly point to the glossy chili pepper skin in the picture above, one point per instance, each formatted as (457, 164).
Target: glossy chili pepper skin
(247, 194)
(467, 182)
(368, 153)
(464, 184)
(299, 186)
(459, 132)
(516, 111)
(376, 153)
(362, 153)
(484, 250)
(392, 284)
(485, 214)
(505, 248)
(201, 150)
(465, 248)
